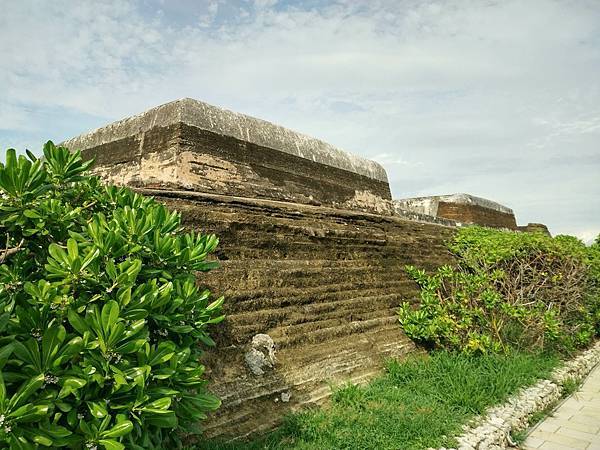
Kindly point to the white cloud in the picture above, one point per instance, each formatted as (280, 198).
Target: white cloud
(588, 236)
(262, 4)
(494, 98)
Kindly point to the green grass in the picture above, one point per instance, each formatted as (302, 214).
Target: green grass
(570, 386)
(416, 404)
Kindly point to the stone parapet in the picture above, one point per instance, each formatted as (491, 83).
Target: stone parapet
(420, 217)
(187, 144)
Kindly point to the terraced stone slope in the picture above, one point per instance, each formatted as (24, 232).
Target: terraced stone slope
(324, 284)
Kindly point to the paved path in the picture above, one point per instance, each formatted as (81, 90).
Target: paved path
(575, 424)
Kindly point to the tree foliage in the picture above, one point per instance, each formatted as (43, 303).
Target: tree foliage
(508, 290)
(100, 314)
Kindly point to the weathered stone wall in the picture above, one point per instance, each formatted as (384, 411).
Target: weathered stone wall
(461, 209)
(476, 214)
(323, 284)
(534, 228)
(190, 145)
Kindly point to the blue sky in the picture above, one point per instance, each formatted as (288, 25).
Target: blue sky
(500, 99)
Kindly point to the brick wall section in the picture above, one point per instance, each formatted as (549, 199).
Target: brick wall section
(476, 214)
(325, 284)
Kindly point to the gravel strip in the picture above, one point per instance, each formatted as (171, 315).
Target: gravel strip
(492, 432)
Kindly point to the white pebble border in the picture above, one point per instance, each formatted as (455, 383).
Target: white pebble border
(492, 432)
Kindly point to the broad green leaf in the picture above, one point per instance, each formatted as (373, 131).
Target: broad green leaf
(160, 418)
(42, 440)
(111, 444)
(20, 443)
(120, 429)
(57, 431)
(72, 248)
(216, 305)
(77, 322)
(131, 346)
(58, 254)
(89, 258)
(162, 353)
(71, 385)
(2, 390)
(204, 401)
(32, 214)
(51, 341)
(110, 314)
(29, 352)
(26, 390)
(5, 353)
(97, 410)
(162, 403)
(68, 351)
(29, 413)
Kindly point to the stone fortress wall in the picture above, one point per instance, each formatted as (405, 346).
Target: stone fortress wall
(462, 208)
(190, 145)
(312, 249)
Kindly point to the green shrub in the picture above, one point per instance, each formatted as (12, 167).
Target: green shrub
(100, 315)
(594, 282)
(507, 290)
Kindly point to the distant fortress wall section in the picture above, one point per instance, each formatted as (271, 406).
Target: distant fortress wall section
(462, 208)
(191, 145)
(534, 228)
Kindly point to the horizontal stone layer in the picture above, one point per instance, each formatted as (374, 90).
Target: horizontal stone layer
(323, 284)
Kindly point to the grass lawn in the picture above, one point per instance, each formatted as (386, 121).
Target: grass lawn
(416, 404)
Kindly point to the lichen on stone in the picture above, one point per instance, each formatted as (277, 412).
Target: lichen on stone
(261, 355)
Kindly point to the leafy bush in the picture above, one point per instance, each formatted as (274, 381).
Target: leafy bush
(100, 315)
(507, 290)
(594, 282)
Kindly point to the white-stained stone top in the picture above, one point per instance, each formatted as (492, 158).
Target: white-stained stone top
(229, 123)
(428, 205)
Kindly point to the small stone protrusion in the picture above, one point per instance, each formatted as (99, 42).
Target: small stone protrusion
(261, 355)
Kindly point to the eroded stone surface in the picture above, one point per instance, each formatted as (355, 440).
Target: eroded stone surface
(535, 228)
(228, 123)
(323, 284)
(312, 250)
